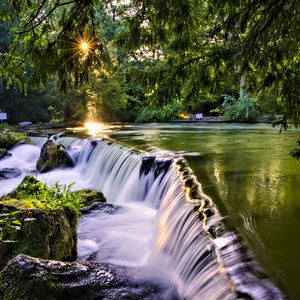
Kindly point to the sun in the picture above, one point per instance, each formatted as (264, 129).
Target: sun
(84, 46)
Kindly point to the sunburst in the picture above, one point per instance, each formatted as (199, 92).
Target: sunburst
(82, 46)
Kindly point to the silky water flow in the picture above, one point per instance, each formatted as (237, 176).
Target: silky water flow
(161, 221)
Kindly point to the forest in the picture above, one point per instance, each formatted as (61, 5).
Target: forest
(149, 60)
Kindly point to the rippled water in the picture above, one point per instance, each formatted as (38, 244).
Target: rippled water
(245, 169)
(248, 172)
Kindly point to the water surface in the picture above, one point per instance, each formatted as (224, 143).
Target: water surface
(247, 170)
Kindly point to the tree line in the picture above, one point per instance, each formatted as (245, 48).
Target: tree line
(149, 59)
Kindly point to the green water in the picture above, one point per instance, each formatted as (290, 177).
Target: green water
(247, 171)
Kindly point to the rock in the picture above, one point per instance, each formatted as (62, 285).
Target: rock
(89, 196)
(25, 124)
(27, 278)
(8, 173)
(9, 138)
(106, 208)
(46, 234)
(53, 155)
(4, 153)
(28, 187)
(33, 223)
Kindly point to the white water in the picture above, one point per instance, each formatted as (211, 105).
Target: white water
(155, 225)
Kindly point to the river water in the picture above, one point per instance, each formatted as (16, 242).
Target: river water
(247, 171)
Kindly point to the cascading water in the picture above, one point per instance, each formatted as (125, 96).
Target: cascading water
(163, 219)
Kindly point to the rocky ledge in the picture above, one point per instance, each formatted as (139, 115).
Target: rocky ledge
(27, 278)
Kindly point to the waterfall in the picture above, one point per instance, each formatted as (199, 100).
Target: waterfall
(164, 220)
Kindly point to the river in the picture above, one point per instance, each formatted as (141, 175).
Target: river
(247, 171)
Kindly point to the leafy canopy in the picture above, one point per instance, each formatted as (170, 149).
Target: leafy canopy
(182, 49)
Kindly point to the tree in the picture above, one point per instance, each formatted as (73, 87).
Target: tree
(210, 45)
(186, 48)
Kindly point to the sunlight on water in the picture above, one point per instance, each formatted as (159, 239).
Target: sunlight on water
(94, 127)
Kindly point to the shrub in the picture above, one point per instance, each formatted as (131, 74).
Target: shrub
(9, 137)
(158, 114)
(242, 109)
(34, 193)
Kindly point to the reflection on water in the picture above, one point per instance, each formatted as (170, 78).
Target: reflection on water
(248, 172)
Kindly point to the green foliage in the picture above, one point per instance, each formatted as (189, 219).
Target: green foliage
(183, 49)
(34, 193)
(9, 137)
(295, 153)
(242, 109)
(158, 114)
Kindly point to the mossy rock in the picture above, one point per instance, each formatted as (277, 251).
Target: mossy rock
(27, 278)
(36, 232)
(29, 186)
(89, 196)
(10, 138)
(33, 225)
(53, 155)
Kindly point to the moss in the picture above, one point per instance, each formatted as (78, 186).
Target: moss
(88, 196)
(9, 137)
(45, 234)
(21, 203)
(33, 193)
(38, 221)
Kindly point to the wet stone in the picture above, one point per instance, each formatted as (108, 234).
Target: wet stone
(4, 154)
(26, 278)
(101, 207)
(8, 173)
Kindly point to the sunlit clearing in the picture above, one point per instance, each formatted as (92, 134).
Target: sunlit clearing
(94, 127)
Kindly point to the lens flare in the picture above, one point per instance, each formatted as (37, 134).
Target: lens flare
(84, 46)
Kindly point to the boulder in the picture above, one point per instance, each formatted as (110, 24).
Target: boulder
(27, 278)
(53, 155)
(89, 196)
(8, 173)
(33, 222)
(37, 232)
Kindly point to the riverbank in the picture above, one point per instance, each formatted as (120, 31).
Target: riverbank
(222, 119)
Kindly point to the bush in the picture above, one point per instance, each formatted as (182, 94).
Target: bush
(9, 137)
(242, 109)
(35, 194)
(158, 114)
